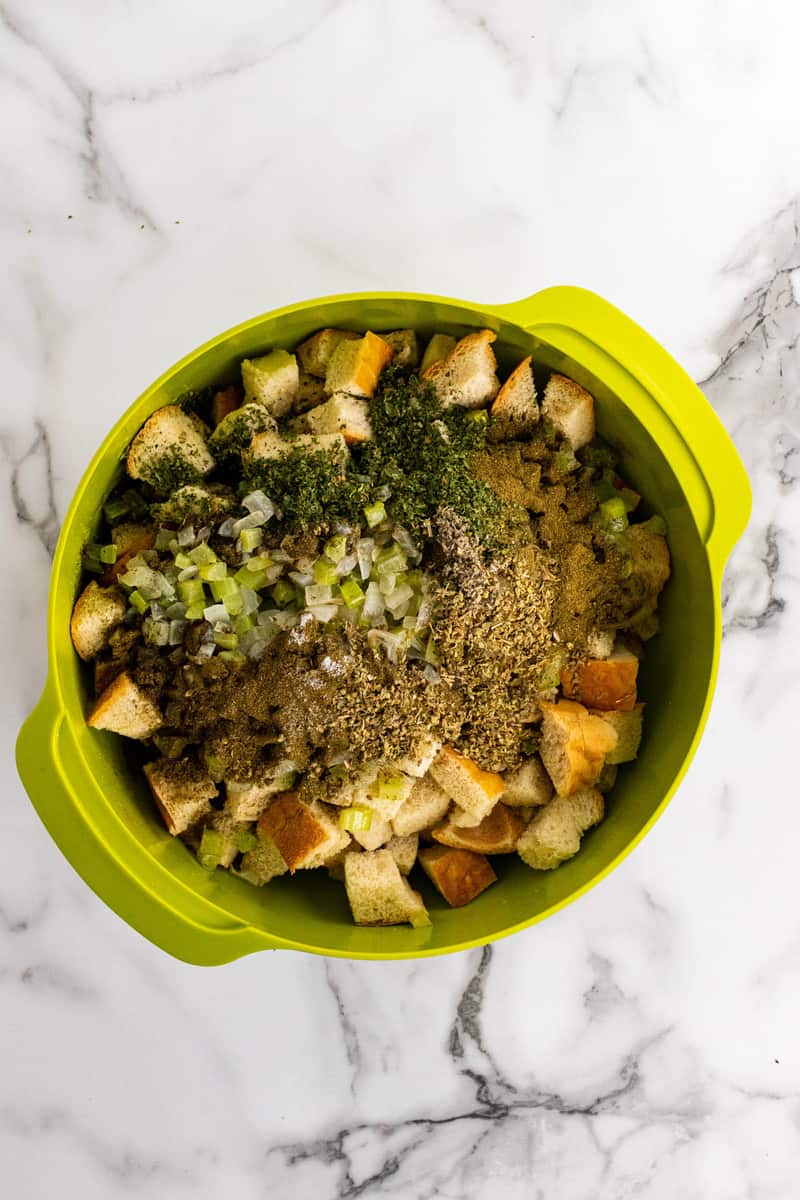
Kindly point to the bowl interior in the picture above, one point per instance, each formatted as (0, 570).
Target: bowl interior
(310, 911)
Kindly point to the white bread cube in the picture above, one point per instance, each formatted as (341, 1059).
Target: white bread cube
(628, 728)
(223, 823)
(570, 408)
(199, 502)
(472, 789)
(315, 352)
(515, 405)
(125, 709)
(600, 643)
(182, 791)
(263, 863)
(342, 415)
(404, 851)
(574, 745)
(529, 784)
(468, 376)
(355, 366)
(554, 834)
(377, 892)
(404, 345)
(96, 613)
(420, 757)
(265, 446)
(271, 380)
(310, 393)
(427, 803)
(247, 801)
(437, 349)
(170, 449)
(388, 807)
(236, 431)
(378, 834)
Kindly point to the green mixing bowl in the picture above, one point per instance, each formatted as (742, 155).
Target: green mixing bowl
(87, 787)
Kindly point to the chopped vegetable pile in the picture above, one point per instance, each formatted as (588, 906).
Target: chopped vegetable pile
(387, 598)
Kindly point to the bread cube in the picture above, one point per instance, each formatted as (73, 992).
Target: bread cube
(628, 728)
(305, 834)
(574, 745)
(404, 346)
(606, 683)
(170, 449)
(125, 709)
(310, 393)
(342, 414)
(420, 757)
(377, 892)
(378, 834)
(226, 401)
(459, 875)
(554, 834)
(437, 349)
(472, 789)
(404, 851)
(355, 366)
(271, 380)
(315, 352)
(515, 407)
(236, 431)
(496, 834)
(427, 803)
(570, 408)
(182, 791)
(96, 612)
(468, 376)
(247, 801)
(263, 863)
(528, 784)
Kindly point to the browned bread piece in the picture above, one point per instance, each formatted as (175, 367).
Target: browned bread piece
(263, 863)
(474, 790)
(96, 612)
(529, 784)
(628, 728)
(182, 791)
(459, 875)
(170, 449)
(377, 892)
(315, 352)
(425, 806)
(606, 683)
(124, 708)
(378, 834)
(404, 345)
(497, 834)
(468, 376)
(342, 414)
(650, 557)
(226, 401)
(305, 834)
(574, 745)
(570, 408)
(554, 833)
(355, 367)
(515, 405)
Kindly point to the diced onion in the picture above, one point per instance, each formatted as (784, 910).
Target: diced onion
(251, 521)
(185, 536)
(373, 603)
(187, 573)
(257, 501)
(323, 612)
(226, 529)
(215, 612)
(364, 552)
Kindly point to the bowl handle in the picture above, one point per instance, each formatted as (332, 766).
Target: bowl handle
(584, 326)
(150, 898)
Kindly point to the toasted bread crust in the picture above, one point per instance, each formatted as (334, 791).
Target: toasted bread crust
(605, 683)
(459, 875)
(498, 833)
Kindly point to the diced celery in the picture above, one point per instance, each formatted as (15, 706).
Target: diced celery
(139, 602)
(212, 570)
(478, 415)
(194, 612)
(232, 656)
(250, 539)
(247, 576)
(358, 817)
(227, 641)
(420, 919)
(242, 623)
(260, 562)
(612, 515)
(212, 847)
(283, 592)
(431, 653)
(393, 564)
(183, 561)
(351, 593)
(324, 572)
(336, 547)
(115, 508)
(108, 554)
(375, 514)
(190, 591)
(221, 589)
(202, 554)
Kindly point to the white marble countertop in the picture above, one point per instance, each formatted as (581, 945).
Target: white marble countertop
(170, 169)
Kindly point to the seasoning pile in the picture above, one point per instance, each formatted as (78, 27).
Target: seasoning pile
(386, 599)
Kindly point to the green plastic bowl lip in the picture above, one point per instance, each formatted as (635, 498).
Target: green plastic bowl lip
(524, 313)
